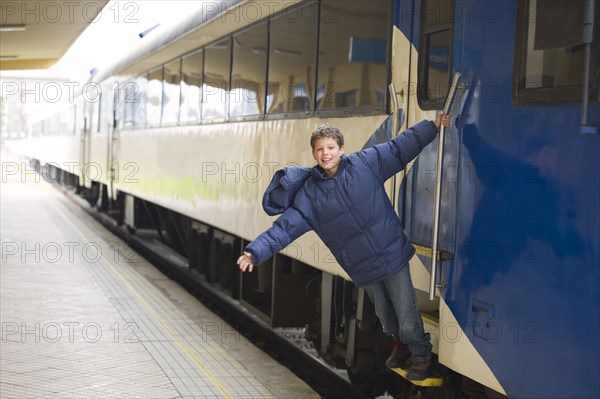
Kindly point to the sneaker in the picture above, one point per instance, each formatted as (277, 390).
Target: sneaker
(399, 355)
(419, 370)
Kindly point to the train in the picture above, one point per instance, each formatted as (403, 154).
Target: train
(180, 138)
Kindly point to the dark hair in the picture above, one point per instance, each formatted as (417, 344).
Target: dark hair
(326, 131)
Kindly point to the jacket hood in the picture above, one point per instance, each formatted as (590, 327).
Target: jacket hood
(283, 188)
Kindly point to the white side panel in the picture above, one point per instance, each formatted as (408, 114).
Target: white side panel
(217, 173)
(458, 353)
(59, 151)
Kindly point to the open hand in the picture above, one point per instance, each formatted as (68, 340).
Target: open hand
(442, 119)
(245, 262)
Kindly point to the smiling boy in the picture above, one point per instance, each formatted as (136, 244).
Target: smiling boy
(343, 200)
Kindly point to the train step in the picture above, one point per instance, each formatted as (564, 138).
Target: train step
(435, 380)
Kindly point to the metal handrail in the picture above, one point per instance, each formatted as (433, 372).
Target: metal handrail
(395, 122)
(588, 35)
(438, 190)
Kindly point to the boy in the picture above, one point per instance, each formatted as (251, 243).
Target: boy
(343, 199)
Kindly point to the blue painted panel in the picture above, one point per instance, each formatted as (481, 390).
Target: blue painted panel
(527, 222)
(525, 234)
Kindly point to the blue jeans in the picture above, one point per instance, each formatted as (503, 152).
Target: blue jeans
(396, 307)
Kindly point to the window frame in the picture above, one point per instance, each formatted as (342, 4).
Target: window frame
(422, 69)
(160, 68)
(179, 60)
(299, 114)
(225, 118)
(181, 81)
(254, 117)
(365, 109)
(549, 95)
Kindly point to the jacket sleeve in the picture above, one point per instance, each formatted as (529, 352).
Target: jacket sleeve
(389, 158)
(289, 226)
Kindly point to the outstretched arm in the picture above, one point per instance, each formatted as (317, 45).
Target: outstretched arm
(389, 158)
(289, 226)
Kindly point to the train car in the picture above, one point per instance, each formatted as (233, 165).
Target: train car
(187, 130)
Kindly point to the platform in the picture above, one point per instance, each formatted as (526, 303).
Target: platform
(83, 316)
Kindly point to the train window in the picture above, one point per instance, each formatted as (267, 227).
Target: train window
(105, 110)
(72, 119)
(129, 99)
(191, 84)
(435, 54)
(549, 55)
(292, 56)
(52, 125)
(79, 117)
(135, 102)
(248, 73)
(94, 110)
(66, 122)
(37, 129)
(172, 87)
(216, 80)
(123, 108)
(154, 97)
(353, 43)
(100, 110)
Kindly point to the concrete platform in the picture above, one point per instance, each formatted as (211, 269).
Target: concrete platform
(83, 316)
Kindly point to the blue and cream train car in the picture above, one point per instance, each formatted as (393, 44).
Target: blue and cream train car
(187, 130)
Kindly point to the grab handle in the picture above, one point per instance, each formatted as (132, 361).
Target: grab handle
(395, 123)
(438, 190)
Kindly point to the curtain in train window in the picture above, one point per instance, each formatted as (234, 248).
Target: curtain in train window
(249, 71)
(170, 111)
(550, 56)
(353, 42)
(216, 80)
(191, 84)
(435, 53)
(154, 102)
(292, 56)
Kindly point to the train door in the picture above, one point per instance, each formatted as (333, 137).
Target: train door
(423, 69)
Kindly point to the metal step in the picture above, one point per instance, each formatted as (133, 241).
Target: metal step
(435, 380)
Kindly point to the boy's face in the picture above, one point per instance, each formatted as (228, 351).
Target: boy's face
(328, 154)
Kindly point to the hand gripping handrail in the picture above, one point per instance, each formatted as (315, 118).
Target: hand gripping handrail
(438, 190)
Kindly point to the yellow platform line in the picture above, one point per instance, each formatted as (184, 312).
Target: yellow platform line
(150, 310)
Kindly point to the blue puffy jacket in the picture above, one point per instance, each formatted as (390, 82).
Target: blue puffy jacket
(350, 211)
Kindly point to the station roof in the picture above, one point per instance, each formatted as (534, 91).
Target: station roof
(35, 34)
